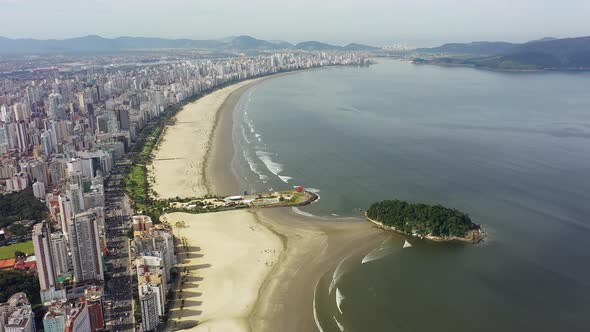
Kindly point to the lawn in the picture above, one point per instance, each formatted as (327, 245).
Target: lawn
(8, 251)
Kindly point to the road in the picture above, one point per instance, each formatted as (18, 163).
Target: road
(120, 282)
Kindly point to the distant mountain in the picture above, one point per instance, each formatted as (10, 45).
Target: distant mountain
(567, 53)
(479, 48)
(544, 39)
(97, 44)
(315, 45)
(360, 47)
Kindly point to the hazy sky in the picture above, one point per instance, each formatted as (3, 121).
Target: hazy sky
(379, 22)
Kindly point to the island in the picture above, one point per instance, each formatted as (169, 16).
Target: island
(432, 222)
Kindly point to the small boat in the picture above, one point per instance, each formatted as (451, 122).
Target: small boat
(407, 244)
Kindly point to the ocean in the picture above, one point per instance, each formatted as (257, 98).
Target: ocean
(510, 149)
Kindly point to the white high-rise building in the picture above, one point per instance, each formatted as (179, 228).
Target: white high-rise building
(85, 247)
(61, 260)
(66, 213)
(44, 255)
(39, 190)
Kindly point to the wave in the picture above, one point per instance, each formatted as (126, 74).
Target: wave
(377, 253)
(253, 167)
(303, 213)
(315, 311)
(274, 167)
(338, 273)
(285, 178)
(339, 299)
(340, 326)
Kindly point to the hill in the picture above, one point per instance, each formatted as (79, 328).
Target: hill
(97, 44)
(479, 48)
(544, 54)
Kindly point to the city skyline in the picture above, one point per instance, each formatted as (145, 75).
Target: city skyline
(375, 22)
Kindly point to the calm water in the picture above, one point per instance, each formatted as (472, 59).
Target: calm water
(512, 150)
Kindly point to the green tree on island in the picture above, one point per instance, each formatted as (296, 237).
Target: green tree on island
(421, 219)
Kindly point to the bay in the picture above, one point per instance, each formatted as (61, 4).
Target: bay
(510, 149)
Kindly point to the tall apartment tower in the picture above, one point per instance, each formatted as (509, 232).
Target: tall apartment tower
(85, 247)
(44, 254)
(59, 247)
(149, 308)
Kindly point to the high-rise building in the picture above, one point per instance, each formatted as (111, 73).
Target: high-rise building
(39, 190)
(22, 136)
(123, 118)
(79, 320)
(91, 117)
(61, 260)
(151, 271)
(149, 311)
(44, 255)
(66, 213)
(85, 247)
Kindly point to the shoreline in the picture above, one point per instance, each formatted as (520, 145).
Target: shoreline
(476, 237)
(237, 290)
(217, 167)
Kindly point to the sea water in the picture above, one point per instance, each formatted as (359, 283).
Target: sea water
(510, 149)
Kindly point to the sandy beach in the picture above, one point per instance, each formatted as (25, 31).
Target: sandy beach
(244, 270)
(179, 163)
(223, 265)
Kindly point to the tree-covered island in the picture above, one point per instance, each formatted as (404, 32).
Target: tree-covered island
(434, 222)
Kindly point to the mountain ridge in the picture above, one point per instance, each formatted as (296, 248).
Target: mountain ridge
(95, 43)
(547, 53)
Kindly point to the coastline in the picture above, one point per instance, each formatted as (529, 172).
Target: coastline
(285, 298)
(474, 236)
(266, 281)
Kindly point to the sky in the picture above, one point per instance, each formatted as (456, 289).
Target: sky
(375, 22)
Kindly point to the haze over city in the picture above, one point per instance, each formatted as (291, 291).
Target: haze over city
(376, 22)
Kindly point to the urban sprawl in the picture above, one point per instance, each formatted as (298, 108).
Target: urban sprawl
(66, 137)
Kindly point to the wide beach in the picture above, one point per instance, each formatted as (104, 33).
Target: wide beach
(249, 270)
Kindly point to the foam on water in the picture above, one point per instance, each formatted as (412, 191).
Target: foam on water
(339, 299)
(274, 167)
(340, 326)
(338, 273)
(303, 213)
(315, 311)
(254, 167)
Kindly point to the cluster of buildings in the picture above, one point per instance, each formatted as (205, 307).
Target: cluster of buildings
(154, 261)
(16, 315)
(61, 135)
